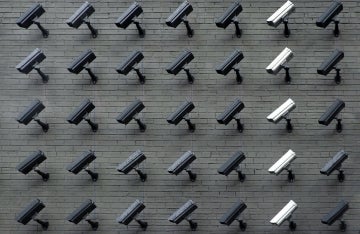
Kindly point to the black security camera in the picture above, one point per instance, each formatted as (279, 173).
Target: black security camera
(335, 164)
(31, 113)
(82, 212)
(129, 64)
(330, 64)
(233, 214)
(230, 113)
(232, 164)
(82, 112)
(230, 63)
(179, 64)
(128, 17)
(82, 162)
(82, 62)
(336, 214)
(331, 114)
(230, 17)
(31, 163)
(31, 16)
(183, 163)
(131, 213)
(131, 112)
(179, 15)
(133, 163)
(182, 111)
(30, 212)
(183, 213)
(81, 16)
(30, 62)
(330, 16)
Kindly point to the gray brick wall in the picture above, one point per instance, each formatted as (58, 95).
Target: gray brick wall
(262, 142)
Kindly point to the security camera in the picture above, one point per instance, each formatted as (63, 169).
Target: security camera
(336, 214)
(131, 112)
(230, 17)
(30, 212)
(335, 164)
(81, 16)
(230, 63)
(179, 15)
(282, 112)
(282, 16)
(82, 112)
(182, 111)
(129, 64)
(281, 62)
(284, 164)
(31, 163)
(82, 212)
(31, 113)
(330, 64)
(30, 62)
(330, 16)
(183, 213)
(179, 64)
(133, 163)
(230, 113)
(233, 214)
(131, 213)
(82, 162)
(31, 16)
(331, 114)
(232, 164)
(285, 214)
(82, 62)
(183, 163)
(128, 17)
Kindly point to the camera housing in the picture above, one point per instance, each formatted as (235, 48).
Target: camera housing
(30, 62)
(181, 112)
(230, 113)
(282, 16)
(30, 212)
(233, 214)
(129, 16)
(183, 163)
(81, 16)
(229, 16)
(330, 64)
(183, 213)
(31, 113)
(284, 163)
(131, 213)
(281, 62)
(130, 113)
(31, 16)
(81, 113)
(232, 164)
(129, 64)
(179, 16)
(82, 212)
(31, 163)
(335, 164)
(331, 113)
(330, 16)
(285, 214)
(179, 64)
(230, 63)
(133, 163)
(282, 112)
(82, 62)
(82, 162)
(336, 214)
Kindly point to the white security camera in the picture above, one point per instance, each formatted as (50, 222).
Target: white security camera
(281, 62)
(285, 214)
(283, 164)
(283, 112)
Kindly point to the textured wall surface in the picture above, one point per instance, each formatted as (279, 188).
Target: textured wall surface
(262, 142)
